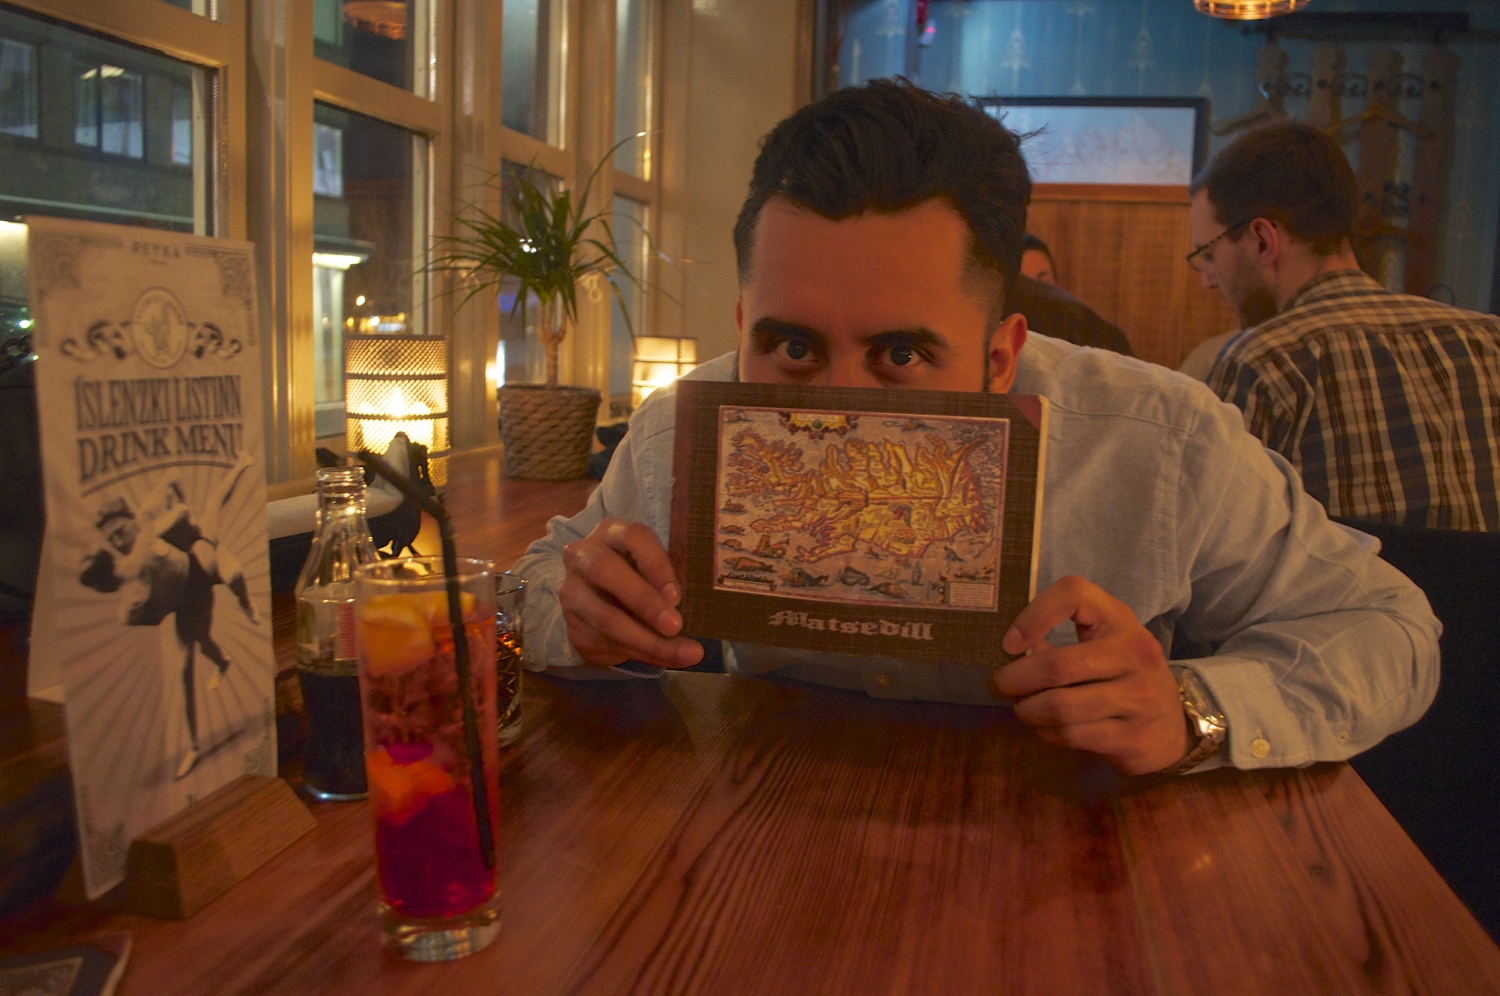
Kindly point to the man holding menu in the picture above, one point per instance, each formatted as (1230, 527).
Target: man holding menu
(1195, 607)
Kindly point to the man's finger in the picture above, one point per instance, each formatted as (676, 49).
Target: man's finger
(1102, 736)
(1090, 608)
(1071, 706)
(636, 541)
(605, 634)
(602, 567)
(1054, 667)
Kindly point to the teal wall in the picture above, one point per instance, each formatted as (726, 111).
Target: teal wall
(1164, 48)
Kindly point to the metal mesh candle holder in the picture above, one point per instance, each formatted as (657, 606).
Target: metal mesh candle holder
(398, 383)
(660, 360)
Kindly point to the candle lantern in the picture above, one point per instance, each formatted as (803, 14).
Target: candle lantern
(398, 383)
(660, 360)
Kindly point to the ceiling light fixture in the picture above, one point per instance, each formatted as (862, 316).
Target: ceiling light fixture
(1248, 10)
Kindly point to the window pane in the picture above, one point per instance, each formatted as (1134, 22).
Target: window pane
(387, 40)
(182, 125)
(122, 133)
(520, 358)
(328, 160)
(121, 130)
(370, 183)
(17, 88)
(633, 86)
(532, 68)
(86, 105)
(629, 227)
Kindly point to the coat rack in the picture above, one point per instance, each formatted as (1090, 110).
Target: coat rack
(1403, 256)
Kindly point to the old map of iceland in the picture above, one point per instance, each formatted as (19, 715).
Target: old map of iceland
(878, 508)
(897, 523)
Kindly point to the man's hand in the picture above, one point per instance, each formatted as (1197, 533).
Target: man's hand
(1111, 693)
(619, 599)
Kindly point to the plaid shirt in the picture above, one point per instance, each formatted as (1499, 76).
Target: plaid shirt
(1387, 404)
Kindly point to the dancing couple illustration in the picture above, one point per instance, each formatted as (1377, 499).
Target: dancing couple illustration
(166, 561)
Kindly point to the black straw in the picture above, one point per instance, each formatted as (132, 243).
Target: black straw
(432, 507)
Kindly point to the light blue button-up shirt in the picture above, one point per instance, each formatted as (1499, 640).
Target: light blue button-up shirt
(1314, 647)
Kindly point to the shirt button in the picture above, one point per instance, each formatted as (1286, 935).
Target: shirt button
(1260, 747)
(1344, 737)
(883, 680)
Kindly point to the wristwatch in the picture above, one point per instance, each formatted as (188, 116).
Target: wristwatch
(1207, 728)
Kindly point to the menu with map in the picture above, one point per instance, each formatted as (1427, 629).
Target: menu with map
(890, 523)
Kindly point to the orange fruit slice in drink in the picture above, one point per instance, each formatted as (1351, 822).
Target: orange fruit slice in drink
(399, 791)
(394, 635)
(434, 605)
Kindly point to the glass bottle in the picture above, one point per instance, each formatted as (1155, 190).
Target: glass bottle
(335, 759)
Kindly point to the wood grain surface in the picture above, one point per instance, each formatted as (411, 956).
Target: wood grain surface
(1120, 251)
(720, 834)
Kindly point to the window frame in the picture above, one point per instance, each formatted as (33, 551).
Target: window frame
(187, 37)
(259, 172)
(429, 117)
(588, 130)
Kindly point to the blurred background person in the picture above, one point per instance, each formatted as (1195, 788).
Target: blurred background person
(1036, 260)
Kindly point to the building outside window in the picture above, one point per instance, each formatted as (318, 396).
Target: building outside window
(97, 122)
(369, 239)
(534, 68)
(120, 132)
(108, 109)
(390, 41)
(18, 111)
(182, 124)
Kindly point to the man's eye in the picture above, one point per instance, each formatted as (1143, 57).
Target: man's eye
(796, 349)
(901, 355)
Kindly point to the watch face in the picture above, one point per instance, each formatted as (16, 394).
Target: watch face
(1202, 711)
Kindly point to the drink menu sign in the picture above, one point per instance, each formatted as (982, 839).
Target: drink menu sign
(154, 594)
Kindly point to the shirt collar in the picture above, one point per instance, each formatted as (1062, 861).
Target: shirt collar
(1331, 285)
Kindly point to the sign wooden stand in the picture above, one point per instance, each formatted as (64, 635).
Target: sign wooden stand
(188, 860)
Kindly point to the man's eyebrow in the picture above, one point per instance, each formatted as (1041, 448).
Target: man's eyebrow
(918, 335)
(776, 326)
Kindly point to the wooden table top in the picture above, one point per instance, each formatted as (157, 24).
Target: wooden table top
(721, 834)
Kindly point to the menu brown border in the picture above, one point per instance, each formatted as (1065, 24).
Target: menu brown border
(930, 634)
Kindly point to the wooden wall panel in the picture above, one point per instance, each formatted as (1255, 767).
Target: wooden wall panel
(1120, 249)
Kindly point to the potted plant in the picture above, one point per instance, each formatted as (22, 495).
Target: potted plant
(547, 248)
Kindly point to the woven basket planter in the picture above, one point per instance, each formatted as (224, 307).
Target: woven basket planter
(547, 431)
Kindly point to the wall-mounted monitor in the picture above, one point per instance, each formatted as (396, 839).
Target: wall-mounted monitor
(1108, 140)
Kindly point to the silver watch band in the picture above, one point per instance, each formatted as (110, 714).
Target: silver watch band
(1207, 727)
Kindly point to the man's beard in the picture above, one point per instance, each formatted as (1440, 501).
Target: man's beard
(1258, 305)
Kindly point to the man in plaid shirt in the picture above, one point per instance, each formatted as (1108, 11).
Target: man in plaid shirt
(1387, 404)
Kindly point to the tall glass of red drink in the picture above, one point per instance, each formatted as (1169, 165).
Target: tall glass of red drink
(439, 882)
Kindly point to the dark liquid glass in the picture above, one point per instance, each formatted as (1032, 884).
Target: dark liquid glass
(334, 764)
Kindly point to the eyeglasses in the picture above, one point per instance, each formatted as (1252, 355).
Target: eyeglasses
(1200, 257)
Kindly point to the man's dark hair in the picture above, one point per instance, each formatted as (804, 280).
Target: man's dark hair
(888, 146)
(1035, 242)
(1290, 173)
